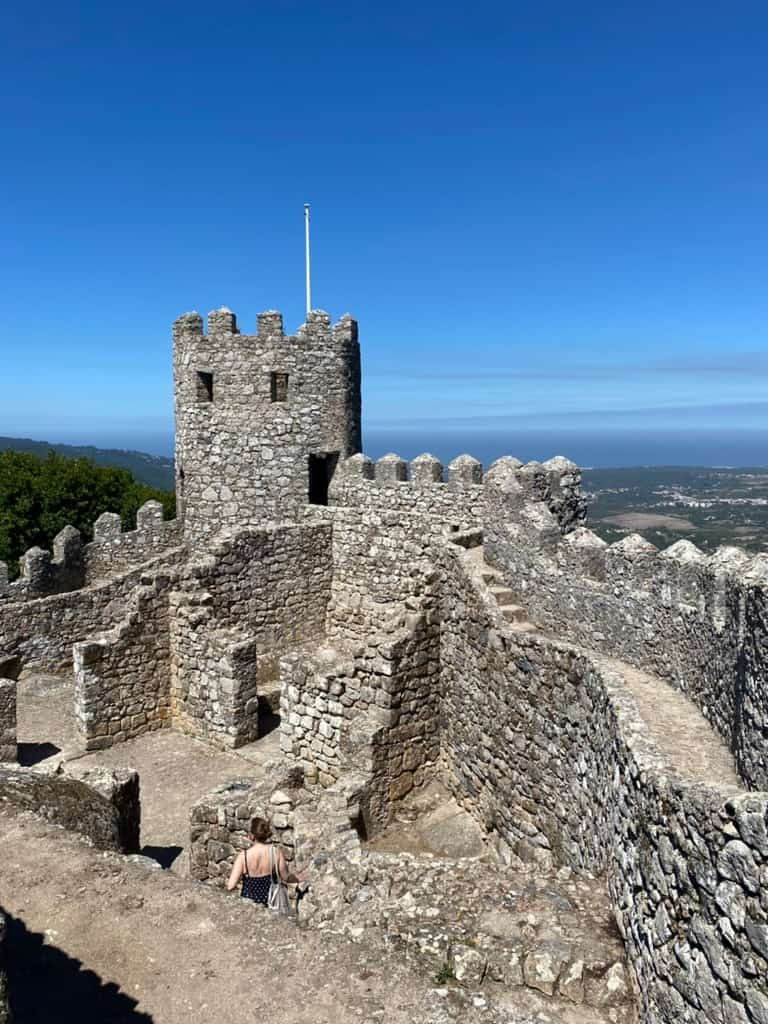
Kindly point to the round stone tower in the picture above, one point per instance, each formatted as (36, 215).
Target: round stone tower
(261, 419)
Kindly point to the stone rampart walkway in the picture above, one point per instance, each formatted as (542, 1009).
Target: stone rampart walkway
(682, 734)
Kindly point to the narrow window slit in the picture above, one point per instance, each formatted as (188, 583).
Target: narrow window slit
(204, 383)
(279, 387)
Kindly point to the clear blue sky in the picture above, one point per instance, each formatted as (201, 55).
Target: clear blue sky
(545, 216)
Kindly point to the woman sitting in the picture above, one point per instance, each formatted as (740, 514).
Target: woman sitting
(259, 865)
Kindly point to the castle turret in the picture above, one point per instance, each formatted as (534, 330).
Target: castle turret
(261, 419)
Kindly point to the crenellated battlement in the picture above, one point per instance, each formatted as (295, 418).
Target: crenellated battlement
(693, 619)
(114, 550)
(73, 565)
(221, 324)
(261, 419)
(455, 493)
(44, 573)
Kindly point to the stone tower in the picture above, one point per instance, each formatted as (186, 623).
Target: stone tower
(261, 419)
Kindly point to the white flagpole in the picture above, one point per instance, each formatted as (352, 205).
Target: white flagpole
(306, 253)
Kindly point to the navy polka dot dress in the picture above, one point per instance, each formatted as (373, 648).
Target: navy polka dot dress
(254, 887)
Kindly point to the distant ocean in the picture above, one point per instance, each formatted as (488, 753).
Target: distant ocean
(603, 449)
(596, 448)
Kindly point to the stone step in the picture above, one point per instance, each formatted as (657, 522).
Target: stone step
(503, 595)
(522, 627)
(514, 613)
(491, 576)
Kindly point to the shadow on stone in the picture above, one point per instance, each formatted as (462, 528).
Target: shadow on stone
(33, 753)
(268, 722)
(164, 855)
(47, 985)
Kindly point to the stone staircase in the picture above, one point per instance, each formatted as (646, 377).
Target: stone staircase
(506, 599)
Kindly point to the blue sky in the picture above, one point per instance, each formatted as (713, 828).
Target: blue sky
(546, 216)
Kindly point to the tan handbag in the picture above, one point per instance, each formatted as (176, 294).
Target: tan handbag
(277, 900)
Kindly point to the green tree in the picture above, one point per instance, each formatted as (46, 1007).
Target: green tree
(39, 497)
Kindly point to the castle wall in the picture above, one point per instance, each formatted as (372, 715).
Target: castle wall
(42, 573)
(122, 678)
(7, 719)
(375, 712)
(449, 499)
(244, 434)
(676, 613)
(40, 632)
(546, 747)
(74, 565)
(380, 561)
(749, 608)
(386, 514)
(259, 592)
(113, 551)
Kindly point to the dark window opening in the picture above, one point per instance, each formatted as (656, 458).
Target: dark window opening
(321, 469)
(279, 387)
(204, 383)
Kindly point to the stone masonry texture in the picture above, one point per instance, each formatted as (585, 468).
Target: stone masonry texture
(419, 623)
(243, 445)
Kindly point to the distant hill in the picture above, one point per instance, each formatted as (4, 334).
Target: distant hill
(153, 470)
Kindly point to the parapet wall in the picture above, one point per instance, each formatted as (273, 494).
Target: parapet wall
(385, 516)
(122, 677)
(113, 551)
(219, 822)
(43, 573)
(452, 498)
(40, 632)
(74, 565)
(694, 620)
(258, 593)
(545, 745)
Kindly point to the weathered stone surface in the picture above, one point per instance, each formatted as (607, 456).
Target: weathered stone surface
(101, 805)
(5, 996)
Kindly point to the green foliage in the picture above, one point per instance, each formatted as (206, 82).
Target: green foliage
(39, 497)
(445, 973)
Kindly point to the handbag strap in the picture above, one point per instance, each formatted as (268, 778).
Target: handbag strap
(245, 864)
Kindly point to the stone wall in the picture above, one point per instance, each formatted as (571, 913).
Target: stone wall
(252, 409)
(380, 561)
(219, 822)
(41, 632)
(259, 593)
(42, 573)
(7, 719)
(748, 609)
(122, 677)
(74, 565)
(386, 514)
(545, 745)
(374, 713)
(5, 995)
(414, 489)
(113, 551)
(694, 620)
(102, 805)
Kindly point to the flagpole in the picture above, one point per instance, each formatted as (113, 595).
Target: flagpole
(306, 253)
